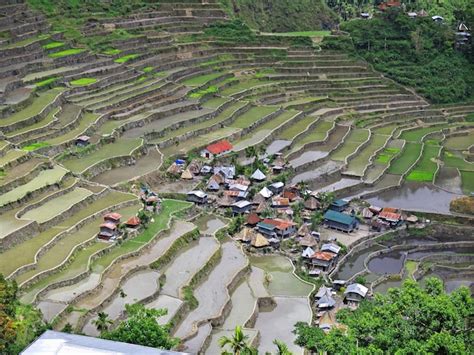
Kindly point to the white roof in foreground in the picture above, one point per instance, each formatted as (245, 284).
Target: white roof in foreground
(57, 343)
(357, 288)
(198, 193)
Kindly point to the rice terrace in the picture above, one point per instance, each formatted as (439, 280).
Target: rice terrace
(225, 176)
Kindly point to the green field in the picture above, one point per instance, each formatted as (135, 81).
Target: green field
(45, 178)
(126, 58)
(386, 155)
(83, 81)
(118, 148)
(467, 178)
(202, 79)
(455, 159)
(66, 52)
(415, 135)
(38, 105)
(215, 102)
(426, 167)
(359, 163)
(24, 253)
(53, 45)
(460, 142)
(168, 208)
(40, 124)
(86, 120)
(253, 115)
(296, 128)
(408, 157)
(244, 85)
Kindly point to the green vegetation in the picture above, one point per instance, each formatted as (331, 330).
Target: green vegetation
(53, 45)
(126, 58)
(66, 52)
(387, 155)
(34, 146)
(407, 320)
(147, 69)
(282, 15)
(46, 82)
(208, 91)
(303, 34)
(408, 157)
(83, 81)
(19, 324)
(201, 79)
(112, 51)
(467, 178)
(454, 159)
(141, 327)
(415, 52)
(427, 166)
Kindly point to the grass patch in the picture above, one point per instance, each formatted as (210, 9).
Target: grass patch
(387, 155)
(126, 58)
(66, 53)
(46, 82)
(83, 82)
(415, 135)
(201, 79)
(210, 90)
(426, 167)
(467, 178)
(112, 51)
(147, 69)
(53, 45)
(35, 146)
(408, 157)
(456, 160)
(252, 116)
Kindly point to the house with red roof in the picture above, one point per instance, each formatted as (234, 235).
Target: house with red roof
(108, 230)
(276, 228)
(323, 260)
(216, 149)
(390, 215)
(133, 222)
(113, 217)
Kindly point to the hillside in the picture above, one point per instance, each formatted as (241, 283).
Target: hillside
(282, 15)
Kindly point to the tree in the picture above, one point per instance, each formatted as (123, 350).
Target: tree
(282, 348)
(102, 322)
(141, 327)
(237, 343)
(407, 320)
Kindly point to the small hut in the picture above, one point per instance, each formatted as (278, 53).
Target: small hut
(187, 175)
(259, 241)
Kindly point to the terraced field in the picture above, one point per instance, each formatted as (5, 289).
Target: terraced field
(164, 92)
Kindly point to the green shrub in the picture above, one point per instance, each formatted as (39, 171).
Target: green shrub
(46, 83)
(66, 52)
(83, 82)
(126, 58)
(35, 146)
(53, 45)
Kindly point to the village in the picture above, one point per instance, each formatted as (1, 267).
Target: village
(268, 216)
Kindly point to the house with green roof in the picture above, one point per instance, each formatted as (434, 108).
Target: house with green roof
(340, 221)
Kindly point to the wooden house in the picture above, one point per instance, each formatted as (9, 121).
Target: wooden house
(197, 196)
(340, 221)
(355, 293)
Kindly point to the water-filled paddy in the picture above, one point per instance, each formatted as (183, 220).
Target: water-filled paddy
(387, 263)
(209, 224)
(355, 263)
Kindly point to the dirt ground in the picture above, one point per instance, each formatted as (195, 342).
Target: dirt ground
(345, 238)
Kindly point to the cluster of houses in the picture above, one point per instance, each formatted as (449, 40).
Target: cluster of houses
(382, 219)
(110, 228)
(327, 305)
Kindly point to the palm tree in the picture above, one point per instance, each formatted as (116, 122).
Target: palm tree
(102, 322)
(282, 348)
(237, 343)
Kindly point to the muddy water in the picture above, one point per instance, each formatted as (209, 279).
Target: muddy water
(195, 344)
(277, 146)
(279, 322)
(143, 165)
(50, 309)
(212, 293)
(328, 167)
(309, 156)
(209, 224)
(449, 179)
(417, 255)
(341, 184)
(389, 263)
(282, 280)
(169, 303)
(138, 287)
(355, 263)
(187, 264)
(414, 196)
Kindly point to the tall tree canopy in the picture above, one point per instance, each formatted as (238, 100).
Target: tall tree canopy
(407, 320)
(142, 328)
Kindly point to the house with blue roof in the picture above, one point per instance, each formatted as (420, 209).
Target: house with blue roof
(340, 221)
(339, 205)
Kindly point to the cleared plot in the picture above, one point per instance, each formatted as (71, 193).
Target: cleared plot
(19, 170)
(55, 206)
(359, 163)
(38, 105)
(296, 128)
(118, 148)
(454, 159)
(40, 124)
(215, 102)
(10, 156)
(61, 250)
(427, 166)
(467, 178)
(143, 165)
(201, 79)
(76, 267)
(253, 115)
(460, 142)
(205, 124)
(23, 253)
(356, 138)
(415, 135)
(317, 134)
(408, 157)
(244, 85)
(263, 131)
(44, 178)
(85, 122)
